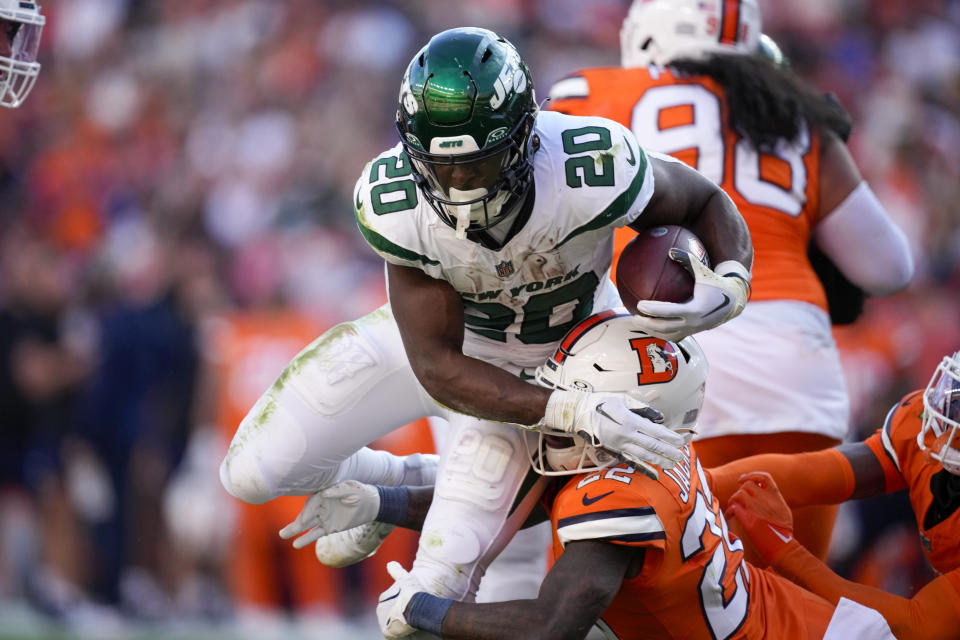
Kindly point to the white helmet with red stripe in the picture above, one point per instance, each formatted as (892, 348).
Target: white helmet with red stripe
(607, 353)
(658, 31)
(940, 431)
(21, 24)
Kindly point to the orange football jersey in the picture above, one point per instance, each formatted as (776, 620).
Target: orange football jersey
(686, 117)
(695, 582)
(907, 467)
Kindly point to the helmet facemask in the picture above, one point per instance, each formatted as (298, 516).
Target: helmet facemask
(940, 431)
(20, 29)
(558, 453)
(474, 189)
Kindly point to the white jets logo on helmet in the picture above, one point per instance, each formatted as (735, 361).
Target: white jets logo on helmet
(511, 79)
(406, 97)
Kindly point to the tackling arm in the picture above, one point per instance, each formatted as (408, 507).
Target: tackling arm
(845, 472)
(932, 614)
(576, 591)
(758, 505)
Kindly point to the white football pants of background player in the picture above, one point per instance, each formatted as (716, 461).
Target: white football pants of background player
(353, 385)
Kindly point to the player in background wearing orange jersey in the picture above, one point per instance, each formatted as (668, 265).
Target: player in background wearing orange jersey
(690, 87)
(918, 449)
(644, 558)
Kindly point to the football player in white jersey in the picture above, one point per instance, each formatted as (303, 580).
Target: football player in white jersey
(496, 223)
(21, 24)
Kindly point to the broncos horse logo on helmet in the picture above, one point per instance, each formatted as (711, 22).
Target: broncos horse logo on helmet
(465, 117)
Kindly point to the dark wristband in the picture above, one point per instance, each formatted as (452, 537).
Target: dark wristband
(394, 504)
(426, 612)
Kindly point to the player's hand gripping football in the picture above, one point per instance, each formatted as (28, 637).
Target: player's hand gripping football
(337, 508)
(392, 604)
(618, 423)
(718, 295)
(763, 514)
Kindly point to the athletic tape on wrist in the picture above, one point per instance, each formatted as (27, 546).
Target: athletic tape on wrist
(426, 612)
(394, 504)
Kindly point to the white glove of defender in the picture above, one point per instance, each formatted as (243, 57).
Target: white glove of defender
(337, 508)
(718, 296)
(392, 603)
(610, 420)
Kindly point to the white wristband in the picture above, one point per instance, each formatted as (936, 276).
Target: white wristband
(732, 268)
(561, 412)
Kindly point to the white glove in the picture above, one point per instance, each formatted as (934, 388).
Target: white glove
(617, 422)
(392, 603)
(718, 295)
(337, 508)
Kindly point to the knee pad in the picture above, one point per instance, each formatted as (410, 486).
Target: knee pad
(447, 559)
(268, 444)
(240, 475)
(481, 469)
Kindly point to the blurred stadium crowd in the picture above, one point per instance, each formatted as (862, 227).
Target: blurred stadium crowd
(176, 223)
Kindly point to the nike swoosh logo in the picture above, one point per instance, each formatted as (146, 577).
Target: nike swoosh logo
(525, 376)
(599, 409)
(587, 500)
(632, 160)
(726, 301)
(359, 203)
(782, 537)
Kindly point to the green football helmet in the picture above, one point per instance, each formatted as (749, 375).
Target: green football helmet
(465, 117)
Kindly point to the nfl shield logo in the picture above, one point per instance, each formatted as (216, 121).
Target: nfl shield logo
(505, 269)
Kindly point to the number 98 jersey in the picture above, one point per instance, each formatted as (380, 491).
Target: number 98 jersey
(590, 177)
(777, 193)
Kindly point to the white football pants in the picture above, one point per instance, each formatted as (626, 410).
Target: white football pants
(351, 386)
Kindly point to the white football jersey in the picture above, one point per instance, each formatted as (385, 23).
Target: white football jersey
(590, 176)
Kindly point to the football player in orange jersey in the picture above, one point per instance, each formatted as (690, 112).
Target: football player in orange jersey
(638, 556)
(691, 87)
(918, 449)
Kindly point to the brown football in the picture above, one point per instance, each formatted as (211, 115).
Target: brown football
(646, 272)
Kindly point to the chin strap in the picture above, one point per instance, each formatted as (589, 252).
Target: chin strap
(463, 221)
(462, 212)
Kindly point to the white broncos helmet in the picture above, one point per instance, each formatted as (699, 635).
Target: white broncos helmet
(23, 24)
(659, 31)
(940, 431)
(607, 353)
